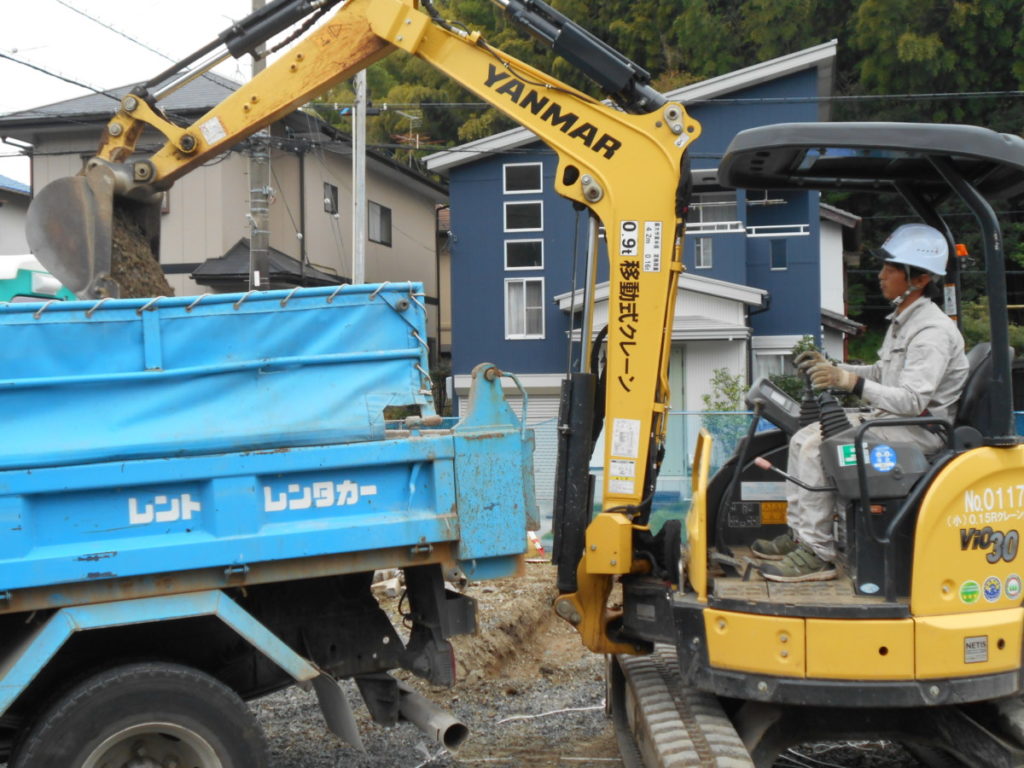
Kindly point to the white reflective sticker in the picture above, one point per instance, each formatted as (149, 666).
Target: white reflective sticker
(213, 130)
(763, 491)
(619, 485)
(652, 246)
(626, 438)
(621, 468)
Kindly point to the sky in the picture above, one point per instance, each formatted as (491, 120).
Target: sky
(53, 35)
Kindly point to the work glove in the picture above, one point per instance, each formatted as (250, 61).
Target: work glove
(826, 375)
(809, 357)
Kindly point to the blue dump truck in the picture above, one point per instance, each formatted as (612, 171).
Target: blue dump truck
(194, 495)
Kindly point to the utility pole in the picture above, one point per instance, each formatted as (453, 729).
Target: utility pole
(259, 191)
(359, 182)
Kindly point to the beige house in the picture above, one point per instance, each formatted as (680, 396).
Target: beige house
(205, 220)
(14, 199)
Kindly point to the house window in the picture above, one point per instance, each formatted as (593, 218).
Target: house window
(379, 229)
(524, 254)
(714, 212)
(779, 255)
(522, 177)
(702, 253)
(524, 217)
(524, 308)
(330, 198)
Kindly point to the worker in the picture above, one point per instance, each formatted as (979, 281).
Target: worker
(921, 370)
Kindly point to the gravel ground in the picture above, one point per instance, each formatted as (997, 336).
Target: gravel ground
(529, 692)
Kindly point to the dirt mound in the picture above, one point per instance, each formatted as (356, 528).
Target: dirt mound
(132, 264)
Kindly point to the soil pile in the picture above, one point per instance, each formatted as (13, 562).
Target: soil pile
(132, 264)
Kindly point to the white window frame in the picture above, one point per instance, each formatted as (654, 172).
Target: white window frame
(331, 199)
(528, 240)
(771, 258)
(504, 179)
(504, 216)
(373, 207)
(523, 281)
(700, 244)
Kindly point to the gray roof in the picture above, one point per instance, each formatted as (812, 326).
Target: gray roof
(10, 185)
(199, 95)
(196, 98)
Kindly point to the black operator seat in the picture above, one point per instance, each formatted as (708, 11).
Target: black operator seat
(973, 415)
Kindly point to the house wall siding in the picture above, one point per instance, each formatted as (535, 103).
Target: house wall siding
(208, 210)
(478, 259)
(478, 266)
(13, 208)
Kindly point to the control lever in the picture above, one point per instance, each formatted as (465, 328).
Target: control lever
(763, 463)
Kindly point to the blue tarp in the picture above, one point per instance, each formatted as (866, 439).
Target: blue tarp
(88, 381)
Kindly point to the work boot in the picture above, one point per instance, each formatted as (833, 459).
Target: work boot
(774, 549)
(799, 565)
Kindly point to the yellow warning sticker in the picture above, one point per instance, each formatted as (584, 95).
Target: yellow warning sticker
(773, 513)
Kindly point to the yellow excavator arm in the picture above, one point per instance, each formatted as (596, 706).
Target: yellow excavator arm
(626, 168)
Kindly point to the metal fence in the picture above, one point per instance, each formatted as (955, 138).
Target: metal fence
(673, 493)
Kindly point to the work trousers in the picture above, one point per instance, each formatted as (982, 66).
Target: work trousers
(810, 514)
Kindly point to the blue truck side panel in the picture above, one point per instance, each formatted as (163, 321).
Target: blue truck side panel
(47, 639)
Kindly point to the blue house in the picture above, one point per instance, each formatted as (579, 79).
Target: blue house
(763, 268)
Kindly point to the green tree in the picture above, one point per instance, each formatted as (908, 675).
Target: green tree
(720, 419)
(976, 326)
(930, 46)
(792, 383)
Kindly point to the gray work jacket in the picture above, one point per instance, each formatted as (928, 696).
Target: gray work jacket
(921, 365)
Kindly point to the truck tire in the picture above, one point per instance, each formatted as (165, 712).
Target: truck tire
(147, 714)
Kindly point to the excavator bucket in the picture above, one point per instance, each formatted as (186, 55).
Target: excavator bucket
(95, 242)
(69, 231)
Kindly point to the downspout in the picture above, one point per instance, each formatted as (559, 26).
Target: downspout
(302, 208)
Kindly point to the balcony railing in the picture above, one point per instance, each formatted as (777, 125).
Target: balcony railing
(758, 230)
(778, 230)
(712, 227)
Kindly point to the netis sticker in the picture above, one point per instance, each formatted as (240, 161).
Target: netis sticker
(976, 649)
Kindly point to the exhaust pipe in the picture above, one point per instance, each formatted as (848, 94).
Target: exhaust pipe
(439, 725)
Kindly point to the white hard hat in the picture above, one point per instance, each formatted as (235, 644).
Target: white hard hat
(917, 245)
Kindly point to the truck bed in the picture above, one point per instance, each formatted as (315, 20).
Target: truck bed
(189, 444)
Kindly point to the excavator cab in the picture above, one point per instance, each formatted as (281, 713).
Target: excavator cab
(919, 639)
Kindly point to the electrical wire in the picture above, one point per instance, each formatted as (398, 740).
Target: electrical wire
(58, 76)
(116, 31)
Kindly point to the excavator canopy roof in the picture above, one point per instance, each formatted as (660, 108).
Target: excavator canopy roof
(875, 157)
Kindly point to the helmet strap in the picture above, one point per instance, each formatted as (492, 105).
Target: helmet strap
(898, 301)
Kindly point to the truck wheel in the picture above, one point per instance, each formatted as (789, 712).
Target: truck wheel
(147, 715)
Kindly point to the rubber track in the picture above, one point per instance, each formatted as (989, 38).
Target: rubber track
(676, 726)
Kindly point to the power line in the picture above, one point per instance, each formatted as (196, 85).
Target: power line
(939, 95)
(113, 29)
(65, 78)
